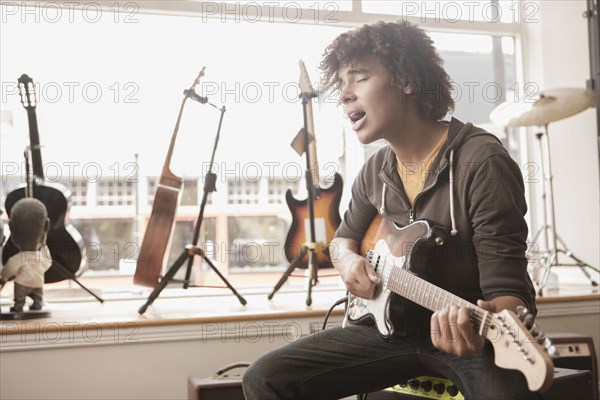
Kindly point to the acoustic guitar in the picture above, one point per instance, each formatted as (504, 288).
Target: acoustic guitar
(155, 245)
(64, 241)
(326, 203)
(396, 255)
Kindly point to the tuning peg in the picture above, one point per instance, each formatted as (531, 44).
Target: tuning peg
(541, 337)
(550, 349)
(525, 316)
(534, 330)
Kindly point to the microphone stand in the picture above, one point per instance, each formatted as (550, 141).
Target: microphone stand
(192, 250)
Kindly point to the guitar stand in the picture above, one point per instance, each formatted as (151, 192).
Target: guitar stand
(69, 275)
(192, 250)
(312, 268)
(549, 258)
(44, 313)
(311, 246)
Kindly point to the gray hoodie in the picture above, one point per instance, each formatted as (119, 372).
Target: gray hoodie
(475, 190)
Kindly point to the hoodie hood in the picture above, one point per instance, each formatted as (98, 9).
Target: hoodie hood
(458, 134)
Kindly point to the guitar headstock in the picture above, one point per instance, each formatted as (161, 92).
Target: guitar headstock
(516, 348)
(304, 81)
(527, 318)
(27, 92)
(200, 75)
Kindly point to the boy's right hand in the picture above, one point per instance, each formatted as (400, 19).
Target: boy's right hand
(359, 276)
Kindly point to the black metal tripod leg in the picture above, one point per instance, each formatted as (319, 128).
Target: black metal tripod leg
(582, 265)
(164, 281)
(293, 265)
(239, 296)
(69, 275)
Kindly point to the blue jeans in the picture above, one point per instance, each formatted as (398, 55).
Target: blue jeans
(338, 362)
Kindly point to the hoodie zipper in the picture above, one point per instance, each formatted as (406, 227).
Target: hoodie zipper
(411, 214)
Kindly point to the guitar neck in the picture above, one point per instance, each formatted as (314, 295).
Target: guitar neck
(428, 295)
(34, 139)
(167, 177)
(312, 146)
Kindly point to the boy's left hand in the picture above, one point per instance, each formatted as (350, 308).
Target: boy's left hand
(453, 332)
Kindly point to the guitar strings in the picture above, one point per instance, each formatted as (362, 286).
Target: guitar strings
(407, 282)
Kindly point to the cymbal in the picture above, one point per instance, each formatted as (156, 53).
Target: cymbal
(551, 105)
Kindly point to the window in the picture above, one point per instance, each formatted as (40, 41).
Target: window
(110, 89)
(451, 11)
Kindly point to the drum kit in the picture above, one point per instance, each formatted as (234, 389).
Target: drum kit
(549, 106)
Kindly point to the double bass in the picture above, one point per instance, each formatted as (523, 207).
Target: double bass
(64, 241)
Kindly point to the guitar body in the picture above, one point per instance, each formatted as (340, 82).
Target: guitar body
(396, 254)
(64, 241)
(155, 245)
(405, 252)
(327, 220)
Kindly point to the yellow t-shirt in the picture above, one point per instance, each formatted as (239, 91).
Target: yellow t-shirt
(413, 175)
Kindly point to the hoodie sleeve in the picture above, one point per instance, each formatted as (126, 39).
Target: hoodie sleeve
(497, 209)
(360, 211)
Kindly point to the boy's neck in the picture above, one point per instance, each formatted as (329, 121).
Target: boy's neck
(413, 142)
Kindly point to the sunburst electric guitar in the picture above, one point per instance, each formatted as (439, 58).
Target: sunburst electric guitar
(393, 252)
(326, 203)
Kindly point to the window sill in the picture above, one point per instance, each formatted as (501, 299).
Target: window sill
(172, 317)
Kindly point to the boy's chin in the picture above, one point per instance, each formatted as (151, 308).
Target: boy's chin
(366, 138)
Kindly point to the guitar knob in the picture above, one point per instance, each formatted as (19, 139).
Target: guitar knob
(452, 390)
(426, 385)
(439, 388)
(439, 240)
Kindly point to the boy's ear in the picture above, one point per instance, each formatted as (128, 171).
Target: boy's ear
(47, 225)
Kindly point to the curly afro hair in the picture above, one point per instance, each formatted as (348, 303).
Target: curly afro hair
(405, 51)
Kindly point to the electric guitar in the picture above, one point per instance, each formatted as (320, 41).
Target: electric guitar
(326, 203)
(395, 252)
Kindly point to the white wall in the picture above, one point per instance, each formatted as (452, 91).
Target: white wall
(556, 55)
(143, 363)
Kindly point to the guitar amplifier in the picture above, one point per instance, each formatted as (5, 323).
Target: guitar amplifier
(576, 352)
(225, 385)
(571, 384)
(428, 387)
(568, 384)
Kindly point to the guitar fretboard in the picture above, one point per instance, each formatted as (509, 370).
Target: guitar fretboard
(426, 294)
